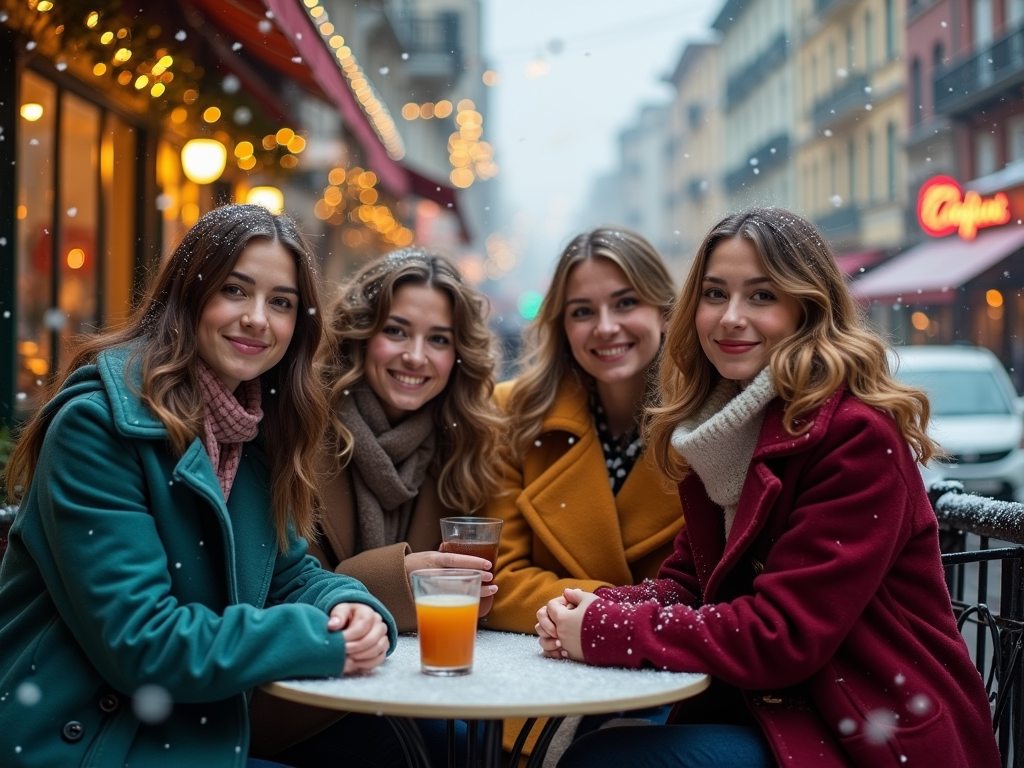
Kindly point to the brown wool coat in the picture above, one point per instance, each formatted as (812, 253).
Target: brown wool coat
(564, 528)
(278, 724)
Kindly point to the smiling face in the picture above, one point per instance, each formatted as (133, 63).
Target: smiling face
(613, 333)
(246, 327)
(741, 315)
(410, 359)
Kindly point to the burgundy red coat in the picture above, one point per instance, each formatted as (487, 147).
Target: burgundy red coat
(826, 608)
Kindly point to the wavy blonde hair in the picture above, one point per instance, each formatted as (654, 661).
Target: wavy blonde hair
(547, 358)
(467, 422)
(293, 402)
(833, 345)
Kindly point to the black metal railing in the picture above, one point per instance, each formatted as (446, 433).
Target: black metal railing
(852, 96)
(752, 75)
(771, 154)
(977, 78)
(996, 636)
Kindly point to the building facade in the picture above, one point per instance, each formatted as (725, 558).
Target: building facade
(694, 194)
(759, 79)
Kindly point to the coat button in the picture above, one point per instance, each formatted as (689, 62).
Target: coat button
(109, 702)
(72, 731)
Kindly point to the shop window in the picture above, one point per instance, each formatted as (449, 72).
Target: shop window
(75, 235)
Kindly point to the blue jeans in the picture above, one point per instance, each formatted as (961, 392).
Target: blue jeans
(671, 746)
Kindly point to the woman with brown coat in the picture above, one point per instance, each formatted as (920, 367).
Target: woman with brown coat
(410, 379)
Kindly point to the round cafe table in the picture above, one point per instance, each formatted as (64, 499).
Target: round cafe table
(510, 678)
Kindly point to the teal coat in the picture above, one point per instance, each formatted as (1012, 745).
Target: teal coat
(126, 568)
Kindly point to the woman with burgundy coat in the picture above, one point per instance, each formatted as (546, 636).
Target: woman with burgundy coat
(807, 581)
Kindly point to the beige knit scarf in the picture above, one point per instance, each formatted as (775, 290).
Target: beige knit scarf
(388, 465)
(719, 440)
(229, 420)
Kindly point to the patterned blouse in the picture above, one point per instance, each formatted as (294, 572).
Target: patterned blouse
(620, 453)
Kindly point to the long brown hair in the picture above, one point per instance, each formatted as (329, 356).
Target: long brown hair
(294, 406)
(547, 358)
(832, 346)
(467, 423)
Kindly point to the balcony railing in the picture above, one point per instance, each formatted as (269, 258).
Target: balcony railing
(825, 7)
(752, 75)
(840, 225)
(985, 74)
(851, 97)
(433, 44)
(771, 154)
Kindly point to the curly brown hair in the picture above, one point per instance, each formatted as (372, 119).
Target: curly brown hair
(468, 424)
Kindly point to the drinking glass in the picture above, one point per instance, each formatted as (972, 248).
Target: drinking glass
(477, 536)
(447, 603)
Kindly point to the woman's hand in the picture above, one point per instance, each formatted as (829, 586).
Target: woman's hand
(563, 638)
(417, 560)
(365, 633)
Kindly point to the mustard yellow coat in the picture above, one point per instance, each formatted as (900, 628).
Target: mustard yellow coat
(563, 527)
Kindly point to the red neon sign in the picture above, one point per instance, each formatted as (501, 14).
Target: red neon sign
(943, 208)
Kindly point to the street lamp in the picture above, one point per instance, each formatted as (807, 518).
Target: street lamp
(203, 160)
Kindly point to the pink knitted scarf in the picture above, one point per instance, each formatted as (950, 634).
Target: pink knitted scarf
(231, 419)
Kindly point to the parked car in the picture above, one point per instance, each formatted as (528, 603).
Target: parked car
(977, 416)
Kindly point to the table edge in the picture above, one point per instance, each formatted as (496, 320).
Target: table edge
(282, 690)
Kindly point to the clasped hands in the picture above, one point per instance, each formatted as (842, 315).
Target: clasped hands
(560, 624)
(365, 633)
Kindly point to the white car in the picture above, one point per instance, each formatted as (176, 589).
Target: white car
(977, 416)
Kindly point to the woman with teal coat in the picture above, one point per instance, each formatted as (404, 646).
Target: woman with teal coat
(157, 569)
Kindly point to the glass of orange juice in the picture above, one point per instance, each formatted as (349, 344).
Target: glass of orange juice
(447, 602)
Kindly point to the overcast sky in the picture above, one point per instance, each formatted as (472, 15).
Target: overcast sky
(554, 132)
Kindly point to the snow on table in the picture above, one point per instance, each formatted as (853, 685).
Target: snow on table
(510, 678)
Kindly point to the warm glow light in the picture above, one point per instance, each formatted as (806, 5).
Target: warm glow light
(38, 365)
(490, 77)
(76, 258)
(336, 176)
(367, 179)
(107, 38)
(247, 163)
(920, 321)
(994, 298)
(462, 177)
(443, 108)
(179, 115)
(337, 41)
(158, 90)
(332, 196)
(243, 149)
(92, 19)
(270, 198)
(943, 208)
(411, 111)
(327, 28)
(203, 160)
(22, 211)
(122, 55)
(466, 104)
(31, 111)
(296, 144)
(124, 78)
(99, 69)
(211, 114)
(44, 6)
(368, 196)
(288, 161)
(141, 82)
(284, 135)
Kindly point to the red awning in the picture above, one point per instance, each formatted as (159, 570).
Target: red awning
(853, 263)
(292, 46)
(932, 271)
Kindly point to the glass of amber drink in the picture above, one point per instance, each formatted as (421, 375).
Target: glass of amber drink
(477, 536)
(447, 602)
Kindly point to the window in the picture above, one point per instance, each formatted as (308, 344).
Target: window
(890, 30)
(849, 47)
(1015, 138)
(832, 65)
(851, 170)
(916, 93)
(871, 167)
(984, 152)
(890, 159)
(938, 57)
(833, 186)
(981, 23)
(869, 40)
(1014, 14)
